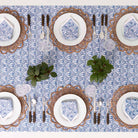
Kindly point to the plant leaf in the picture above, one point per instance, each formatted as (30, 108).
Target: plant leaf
(44, 76)
(30, 71)
(94, 57)
(89, 62)
(37, 69)
(53, 74)
(50, 68)
(33, 82)
(44, 68)
(29, 78)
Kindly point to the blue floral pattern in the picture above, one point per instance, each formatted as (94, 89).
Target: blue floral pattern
(131, 29)
(6, 106)
(71, 69)
(6, 31)
(70, 30)
(70, 109)
(132, 107)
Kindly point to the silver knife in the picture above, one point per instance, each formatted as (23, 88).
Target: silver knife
(30, 114)
(43, 100)
(48, 19)
(106, 22)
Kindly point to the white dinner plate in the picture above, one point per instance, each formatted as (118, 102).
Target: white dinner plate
(81, 110)
(16, 29)
(120, 29)
(62, 20)
(121, 108)
(16, 109)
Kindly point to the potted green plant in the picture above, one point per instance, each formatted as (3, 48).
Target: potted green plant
(40, 72)
(100, 68)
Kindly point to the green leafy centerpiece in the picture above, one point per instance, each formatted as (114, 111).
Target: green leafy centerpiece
(100, 68)
(39, 73)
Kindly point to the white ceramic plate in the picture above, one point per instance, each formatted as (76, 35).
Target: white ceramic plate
(62, 20)
(120, 29)
(81, 110)
(121, 108)
(16, 31)
(17, 108)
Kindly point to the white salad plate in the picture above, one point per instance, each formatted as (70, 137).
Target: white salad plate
(62, 20)
(16, 29)
(14, 115)
(121, 108)
(120, 29)
(81, 111)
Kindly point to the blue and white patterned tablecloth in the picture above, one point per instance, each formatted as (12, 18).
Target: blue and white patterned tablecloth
(71, 68)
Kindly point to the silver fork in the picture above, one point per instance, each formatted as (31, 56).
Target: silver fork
(107, 115)
(94, 29)
(34, 102)
(102, 23)
(29, 24)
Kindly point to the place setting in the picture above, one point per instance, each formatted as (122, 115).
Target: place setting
(71, 30)
(13, 107)
(123, 30)
(13, 31)
(124, 106)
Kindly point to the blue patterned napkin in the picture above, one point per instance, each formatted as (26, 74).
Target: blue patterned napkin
(70, 109)
(6, 30)
(70, 30)
(6, 106)
(132, 107)
(131, 29)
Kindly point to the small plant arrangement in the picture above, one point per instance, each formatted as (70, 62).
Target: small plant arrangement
(100, 68)
(39, 73)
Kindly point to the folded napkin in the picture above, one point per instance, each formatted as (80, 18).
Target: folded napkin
(131, 29)
(70, 30)
(69, 109)
(132, 107)
(6, 106)
(6, 30)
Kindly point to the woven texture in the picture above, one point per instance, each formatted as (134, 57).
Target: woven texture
(24, 106)
(23, 35)
(121, 91)
(112, 29)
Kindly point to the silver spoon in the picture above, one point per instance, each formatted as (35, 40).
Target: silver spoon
(34, 109)
(100, 102)
(42, 35)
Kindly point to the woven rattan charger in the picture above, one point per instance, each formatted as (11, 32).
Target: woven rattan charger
(121, 91)
(112, 29)
(68, 89)
(23, 34)
(83, 44)
(24, 106)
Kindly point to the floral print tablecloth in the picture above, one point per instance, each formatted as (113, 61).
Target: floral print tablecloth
(71, 68)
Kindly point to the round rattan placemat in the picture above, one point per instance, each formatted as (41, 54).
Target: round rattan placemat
(112, 30)
(83, 44)
(68, 89)
(24, 106)
(23, 34)
(116, 96)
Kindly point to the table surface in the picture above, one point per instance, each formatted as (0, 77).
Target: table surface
(71, 68)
